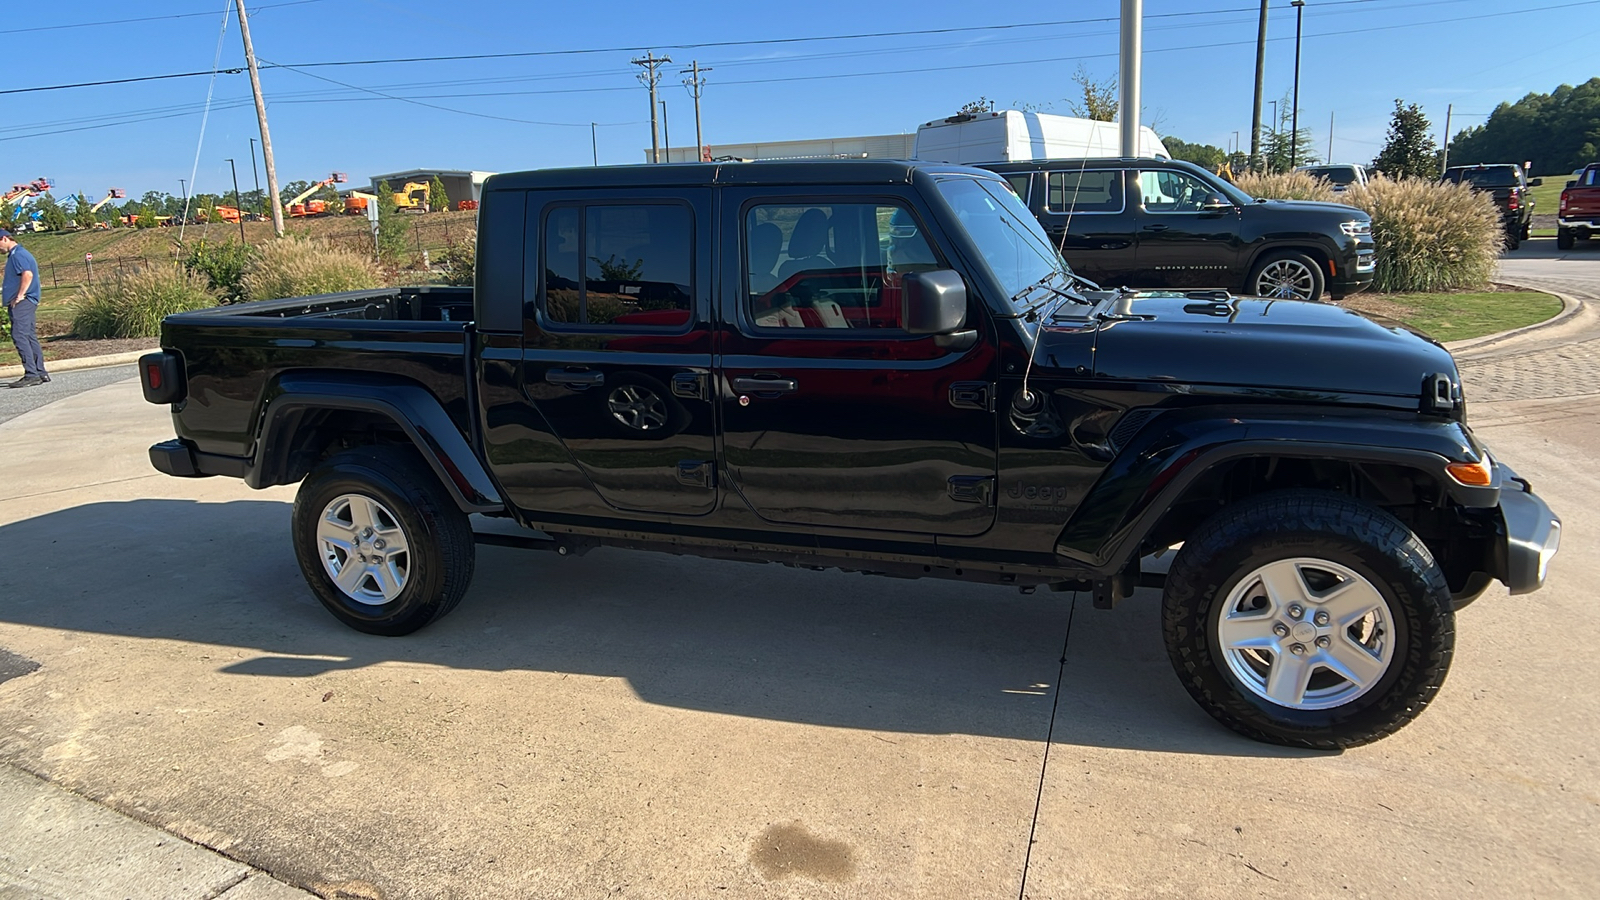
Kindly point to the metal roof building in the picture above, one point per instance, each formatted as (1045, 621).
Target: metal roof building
(877, 146)
(460, 184)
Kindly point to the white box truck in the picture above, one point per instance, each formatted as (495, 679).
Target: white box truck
(1016, 136)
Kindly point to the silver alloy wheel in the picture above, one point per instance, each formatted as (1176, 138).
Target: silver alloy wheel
(364, 549)
(1287, 279)
(637, 407)
(1306, 633)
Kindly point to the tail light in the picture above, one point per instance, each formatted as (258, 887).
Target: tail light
(1563, 201)
(161, 374)
(1514, 201)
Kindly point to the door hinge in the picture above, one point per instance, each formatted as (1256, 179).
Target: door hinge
(972, 489)
(977, 395)
(697, 472)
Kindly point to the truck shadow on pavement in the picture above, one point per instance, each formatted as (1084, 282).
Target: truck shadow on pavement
(825, 648)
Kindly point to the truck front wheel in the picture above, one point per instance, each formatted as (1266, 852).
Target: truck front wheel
(380, 542)
(1286, 275)
(1308, 619)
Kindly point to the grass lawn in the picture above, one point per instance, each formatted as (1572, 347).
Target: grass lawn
(1458, 316)
(1547, 196)
(54, 322)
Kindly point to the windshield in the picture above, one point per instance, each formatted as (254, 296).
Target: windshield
(1009, 237)
(1334, 174)
(1488, 177)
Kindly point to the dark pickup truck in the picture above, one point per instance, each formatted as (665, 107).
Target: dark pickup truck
(887, 368)
(1508, 185)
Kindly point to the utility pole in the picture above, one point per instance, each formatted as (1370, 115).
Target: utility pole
(237, 206)
(1444, 161)
(696, 84)
(1294, 107)
(650, 78)
(1330, 137)
(261, 116)
(594, 143)
(1261, 74)
(666, 133)
(1132, 47)
(257, 174)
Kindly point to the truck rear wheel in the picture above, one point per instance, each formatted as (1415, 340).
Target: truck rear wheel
(380, 541)
(1308, 619)
(1564, 239)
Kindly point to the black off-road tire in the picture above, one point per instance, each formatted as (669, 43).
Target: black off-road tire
(440, 548)
(1321, 526)
(1316, 278)
(1564, 239)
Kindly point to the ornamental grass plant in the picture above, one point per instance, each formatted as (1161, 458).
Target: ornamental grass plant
(300, 267)
(1430, 236)
(133, 305)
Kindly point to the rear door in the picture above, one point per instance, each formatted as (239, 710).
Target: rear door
(1086, 214)
(834, 416)
(617, 346)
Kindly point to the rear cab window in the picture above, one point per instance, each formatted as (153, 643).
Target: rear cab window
(617, 265)
(1085, 191)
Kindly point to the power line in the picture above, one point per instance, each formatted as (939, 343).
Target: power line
(62, 87)
(146, 19)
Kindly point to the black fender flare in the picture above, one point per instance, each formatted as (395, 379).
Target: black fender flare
(1150, 475)
(410, 406)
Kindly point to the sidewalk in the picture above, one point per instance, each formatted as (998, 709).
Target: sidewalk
(56, 844)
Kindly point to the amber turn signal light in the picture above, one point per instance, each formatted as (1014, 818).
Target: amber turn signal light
(1473, 474)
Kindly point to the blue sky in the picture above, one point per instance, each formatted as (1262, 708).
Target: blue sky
(1357, 57)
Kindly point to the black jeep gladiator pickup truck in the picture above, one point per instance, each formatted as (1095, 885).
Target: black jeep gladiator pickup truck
(883, 367)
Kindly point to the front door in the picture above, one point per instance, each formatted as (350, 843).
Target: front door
(1181, 244)
(1085, 213)
(617, 347)
(833, 415)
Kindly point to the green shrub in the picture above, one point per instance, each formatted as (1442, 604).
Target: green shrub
(460, 260)
(223, 266)
(133, 305)
(1286, 186)
(1430, 236)
(299, 267)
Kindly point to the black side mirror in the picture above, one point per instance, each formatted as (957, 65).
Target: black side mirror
(935, 302)
(1535, 182)
(1216, 203)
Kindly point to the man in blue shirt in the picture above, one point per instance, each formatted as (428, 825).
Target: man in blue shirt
(19, 293)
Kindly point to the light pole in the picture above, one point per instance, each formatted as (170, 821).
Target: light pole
(666, 133)
(263, 211)
(236, 206)
(1294, 111)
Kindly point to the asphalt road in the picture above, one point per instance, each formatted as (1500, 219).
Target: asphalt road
(629, 724)
(14, 403)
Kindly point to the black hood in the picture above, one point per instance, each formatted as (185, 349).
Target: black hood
(1274, 345)
(1301, 207)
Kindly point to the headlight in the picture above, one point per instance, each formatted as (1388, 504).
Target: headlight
(1356, 227)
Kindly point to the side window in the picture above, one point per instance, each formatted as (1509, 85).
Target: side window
(1168, 191)
(618, 266)
(1019, 185)
(830, 266)
(1092, 191)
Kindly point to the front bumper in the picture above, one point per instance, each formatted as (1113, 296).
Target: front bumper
(1532, 533)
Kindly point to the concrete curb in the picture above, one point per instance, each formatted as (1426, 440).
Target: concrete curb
(80, 362)
(1570, 306)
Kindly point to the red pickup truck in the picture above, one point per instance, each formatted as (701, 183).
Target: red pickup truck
(1580, 208)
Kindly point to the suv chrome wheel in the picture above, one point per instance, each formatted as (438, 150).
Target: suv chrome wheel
(1287, 279)
(1306, 633)
(637, 407)
(364, 549)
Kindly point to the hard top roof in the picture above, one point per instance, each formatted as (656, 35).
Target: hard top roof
(757, 172)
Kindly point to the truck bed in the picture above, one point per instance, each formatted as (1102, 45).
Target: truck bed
(234, 355)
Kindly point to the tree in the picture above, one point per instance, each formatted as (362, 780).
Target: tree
(51, 215)
(1276, 145)
(976, 107)
(438, 200)
(1200, 154)
(290, 191)
(81, 213)
(1096, 99)
(1410, 150)
(392, 226)
(1558, 131)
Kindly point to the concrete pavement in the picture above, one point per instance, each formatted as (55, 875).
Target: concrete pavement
(641, 725)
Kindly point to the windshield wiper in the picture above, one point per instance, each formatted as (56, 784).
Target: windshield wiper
(1057, 294)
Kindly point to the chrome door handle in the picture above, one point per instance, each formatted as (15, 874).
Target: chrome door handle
(575, 380)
